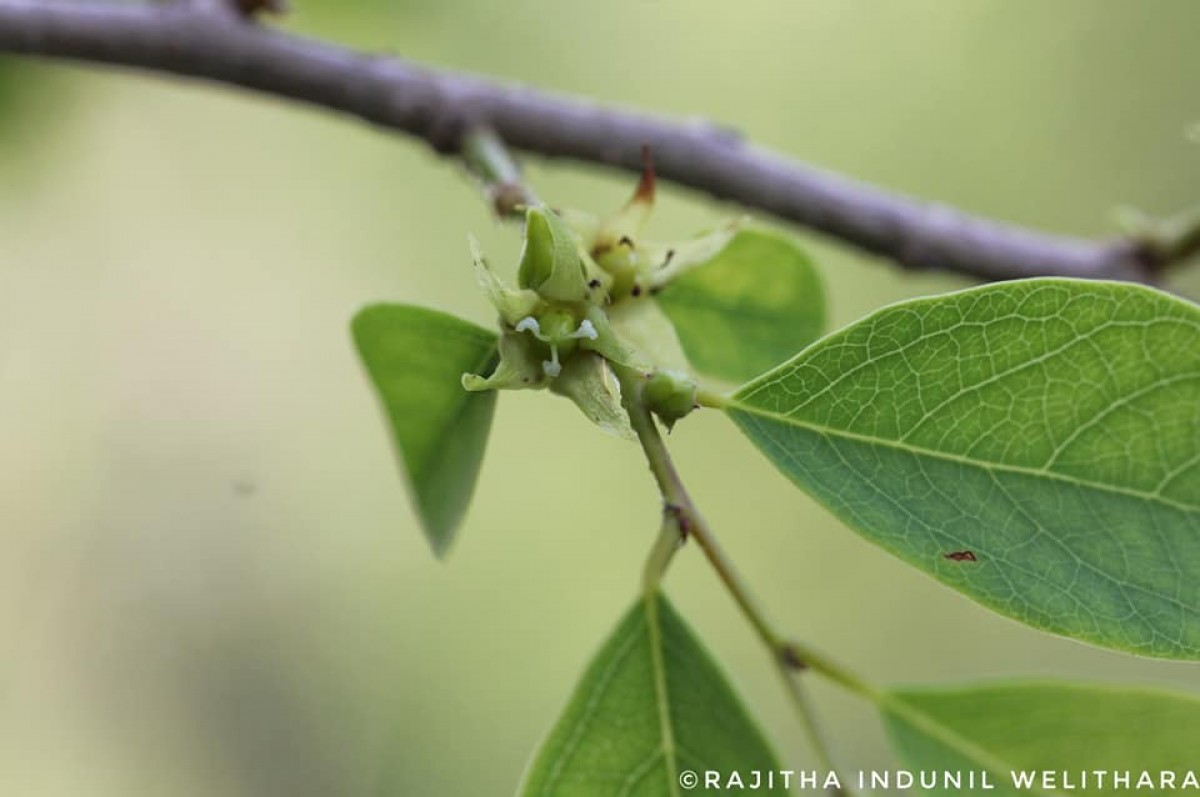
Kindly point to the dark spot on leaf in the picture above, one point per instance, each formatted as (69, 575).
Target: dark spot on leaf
(667, 260)
(593, 284)
(636, 291)
(961, 556)
(627, 242)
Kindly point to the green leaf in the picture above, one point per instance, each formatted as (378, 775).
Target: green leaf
(651, 706)
(1033, 444)
(1068, 730)
(416, 358)
(755, 304)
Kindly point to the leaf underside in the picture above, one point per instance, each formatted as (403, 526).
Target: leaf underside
(651, 705)
(751, 307)
(1056, 727)
(1034, 444)
(416, 358)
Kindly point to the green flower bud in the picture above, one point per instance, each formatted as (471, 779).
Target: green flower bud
(550, 260)
(671, 395)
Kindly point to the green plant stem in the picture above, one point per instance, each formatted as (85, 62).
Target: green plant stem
(711, 400)
(659, 559)
(681, 520)
(488, 158)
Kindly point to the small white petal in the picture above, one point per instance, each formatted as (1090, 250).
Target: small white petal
(529, 323)
(586, 330)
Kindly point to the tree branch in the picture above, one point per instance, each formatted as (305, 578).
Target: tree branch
(437, 106)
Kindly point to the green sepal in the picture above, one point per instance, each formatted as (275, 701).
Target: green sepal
(611, 345)
(519, 366)
(667, 261)
(587, 380)
(512, 304)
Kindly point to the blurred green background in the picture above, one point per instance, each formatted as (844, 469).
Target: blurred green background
(211, 580)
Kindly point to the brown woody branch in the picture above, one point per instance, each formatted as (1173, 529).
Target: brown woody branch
(187, 38)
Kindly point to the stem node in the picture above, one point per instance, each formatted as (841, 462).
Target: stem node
(791, 657)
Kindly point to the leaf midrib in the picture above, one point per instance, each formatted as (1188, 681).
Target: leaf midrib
(898, 445)
(662, 697)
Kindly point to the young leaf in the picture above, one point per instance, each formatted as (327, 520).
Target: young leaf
(1083, 736)
(755, 304)
(651, 707)
(1033, 444)
(416, 358)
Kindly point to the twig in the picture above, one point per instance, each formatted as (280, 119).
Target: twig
(488, 158)
(439, 106)
(681, 521)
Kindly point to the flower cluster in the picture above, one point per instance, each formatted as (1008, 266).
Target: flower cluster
(578, 310)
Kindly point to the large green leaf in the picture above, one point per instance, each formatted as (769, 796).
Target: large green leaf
(1083, 736)
(1033, 444)
(416, 357)
(651, 707)
(755, 304)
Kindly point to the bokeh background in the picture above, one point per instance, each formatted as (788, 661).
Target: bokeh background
(211, 581)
